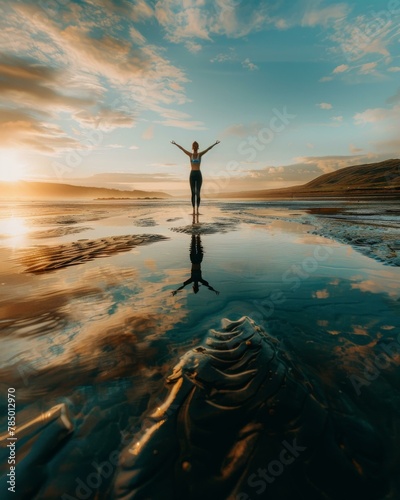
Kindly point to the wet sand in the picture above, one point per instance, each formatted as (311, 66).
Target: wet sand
(370, 227)
(49, 258)
(89, 320)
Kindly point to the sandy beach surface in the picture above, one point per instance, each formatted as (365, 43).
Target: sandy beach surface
(95, 313)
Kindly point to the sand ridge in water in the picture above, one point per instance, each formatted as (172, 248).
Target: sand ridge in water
(49, 258)
(59, 231)
(382, 245)
(373, 232)
(71, 219)
(220, 225)
(145, 222)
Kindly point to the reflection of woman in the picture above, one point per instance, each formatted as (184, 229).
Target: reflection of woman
(196, 257)
(195, 178)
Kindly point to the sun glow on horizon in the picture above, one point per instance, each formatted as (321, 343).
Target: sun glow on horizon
(12, 169)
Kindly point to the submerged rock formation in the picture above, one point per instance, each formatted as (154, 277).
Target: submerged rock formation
(240, 421)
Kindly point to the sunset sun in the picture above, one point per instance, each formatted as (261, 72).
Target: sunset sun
(12, 168)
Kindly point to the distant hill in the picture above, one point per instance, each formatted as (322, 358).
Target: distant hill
(371, 179)
(52, 190)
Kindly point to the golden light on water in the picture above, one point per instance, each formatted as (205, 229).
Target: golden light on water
(12, 168)
(14, 229)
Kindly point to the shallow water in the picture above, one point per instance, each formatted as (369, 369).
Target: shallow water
(101, 332)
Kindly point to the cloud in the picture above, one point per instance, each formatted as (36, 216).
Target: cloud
(76, 58)
(354, 150)
(326, 164)
(107, 55)
(325, 79)
(193, 46)
(376, 115)
(133, 147)
(105, 119)
(158, 181)
(182, 24)
(231, 56)
(137, 10)
(307, 14)
(124, 178)
(33, 85)
(390, 147)
(21, 129)
(242, 130)
(189, 125)
(394, 69)
(281, 24)
(368, 68)
(291, 174)
(247, 64)
(337, 118)
(383, 124)
(341, 68)
(365, 34)
(323, 16)
(304, 170)
(201, 20)
(164, 165)
(370, 116)
(324, 105)
(225, 56)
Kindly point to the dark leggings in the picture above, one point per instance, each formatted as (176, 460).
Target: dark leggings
(196, 180)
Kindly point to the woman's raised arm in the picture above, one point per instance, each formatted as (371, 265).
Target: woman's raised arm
(180, 147)
(208, 149)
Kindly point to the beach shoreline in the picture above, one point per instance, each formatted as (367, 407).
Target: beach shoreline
(98, 304)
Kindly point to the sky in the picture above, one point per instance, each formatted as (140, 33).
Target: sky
(93, 91)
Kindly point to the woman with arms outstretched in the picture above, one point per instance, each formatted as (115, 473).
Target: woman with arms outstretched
(195, 178)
